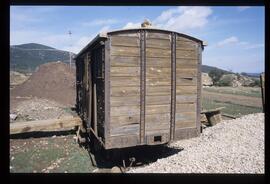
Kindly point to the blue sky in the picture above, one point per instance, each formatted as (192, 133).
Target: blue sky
(235, 35)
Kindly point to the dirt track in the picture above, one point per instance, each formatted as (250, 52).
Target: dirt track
(234, 99)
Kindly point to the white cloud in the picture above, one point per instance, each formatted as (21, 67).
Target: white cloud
(228, 41)
(242, 8)
(104, 29)
(132, 25)
(254, 46)
(233, 40)
(183, 18)
(179, 19)
(100, 22)
(20, 17)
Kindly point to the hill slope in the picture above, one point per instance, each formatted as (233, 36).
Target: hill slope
(207, 69)
(29, 56)
(54, 80)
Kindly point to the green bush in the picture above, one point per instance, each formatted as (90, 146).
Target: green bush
(256, 82)
(215, 75)
(224, 82)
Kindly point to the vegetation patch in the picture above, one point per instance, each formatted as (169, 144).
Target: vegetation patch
(232, 109)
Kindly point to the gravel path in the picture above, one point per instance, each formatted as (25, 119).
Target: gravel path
(232, 146)
(38, 109)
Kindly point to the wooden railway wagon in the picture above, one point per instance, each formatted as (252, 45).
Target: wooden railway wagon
(140, 87)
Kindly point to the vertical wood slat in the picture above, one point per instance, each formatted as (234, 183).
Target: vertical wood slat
(142, 85)
(107, 89)
(199, 87)
(90, 90)
(173, 84)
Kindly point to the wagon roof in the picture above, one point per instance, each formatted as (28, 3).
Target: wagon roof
(104, 35)
(156, 29)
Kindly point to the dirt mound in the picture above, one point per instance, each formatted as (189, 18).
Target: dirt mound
(17, 78)
(54, 80)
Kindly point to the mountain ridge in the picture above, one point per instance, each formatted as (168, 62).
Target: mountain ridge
(27, 57)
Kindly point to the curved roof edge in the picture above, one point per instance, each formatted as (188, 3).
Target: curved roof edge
(98, 37)
(152, 28)
(105, 35)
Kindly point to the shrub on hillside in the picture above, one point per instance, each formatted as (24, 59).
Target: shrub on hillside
(225, 81)
(215, 75)
(256, 83)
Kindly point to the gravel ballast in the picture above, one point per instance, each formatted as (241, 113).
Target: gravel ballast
(232, 146)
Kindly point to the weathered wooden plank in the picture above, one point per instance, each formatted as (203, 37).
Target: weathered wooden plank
(158, 90)
(125, 91)
(183, 39)
(186, 98)
(125, 71)
(156, 52)
(193, 57)
(125, 81)
(125, 61)
(188, 81)
(186, 72)
(161, 81)
(158, 100)
(180, 62)
(157, 109)
(158, 35)
(158, 132)
(187, 66)
(158, 72)
(162, 126)
(125, 51)
(158, 62)
(125, 41)
(185, 116)
(129, 34)
(186, 53)
(157, 119)
(125, 130)
(125, 101)
(117, 121)
(158, 43)
(185, 107)
(185, 124)
(64, 123)
(180, 90)
(186, 45)
(125, 111)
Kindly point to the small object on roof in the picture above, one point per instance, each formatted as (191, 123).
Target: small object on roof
(205, 43)
(146, 23)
